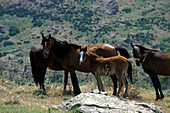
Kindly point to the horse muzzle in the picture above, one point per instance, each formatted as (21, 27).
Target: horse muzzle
(80, 63)
(81, 58)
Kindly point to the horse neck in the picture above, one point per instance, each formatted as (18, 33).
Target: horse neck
(59, 51)
(92, 57)
(145, 53)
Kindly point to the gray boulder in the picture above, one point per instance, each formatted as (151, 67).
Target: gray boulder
(98, 103)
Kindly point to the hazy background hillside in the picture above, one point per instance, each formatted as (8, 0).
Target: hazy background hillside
(86, 22)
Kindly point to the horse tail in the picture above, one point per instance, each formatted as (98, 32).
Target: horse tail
(33, 65)
(124, 52)
(130, 71)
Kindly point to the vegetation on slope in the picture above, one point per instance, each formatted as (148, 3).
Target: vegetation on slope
(117, 22)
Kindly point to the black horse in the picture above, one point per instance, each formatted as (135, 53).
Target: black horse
(154, 63)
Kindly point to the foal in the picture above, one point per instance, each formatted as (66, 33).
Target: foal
(107, 66)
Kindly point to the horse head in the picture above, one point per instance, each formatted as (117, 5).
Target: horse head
(84, 53)
(136, 53)
(83, 50)
(47, 44)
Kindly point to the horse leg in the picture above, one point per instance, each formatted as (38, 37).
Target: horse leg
(41, 79)
(126, 84)
(159, 86)
(152, 76)
(42, 86)
(76, 88)
(65, 79)
(120, 84)
(99, 83)
(40, 73)
(114, 79)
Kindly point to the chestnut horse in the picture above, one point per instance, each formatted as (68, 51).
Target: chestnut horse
(154, 63)
(104, 50)
(111, 66)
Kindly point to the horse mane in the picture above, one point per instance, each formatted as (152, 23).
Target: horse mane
(122, 51)
(144, 49)
(61, 48)
(93, 55)
(75, 45)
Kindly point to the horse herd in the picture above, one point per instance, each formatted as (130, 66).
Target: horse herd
(100, 60)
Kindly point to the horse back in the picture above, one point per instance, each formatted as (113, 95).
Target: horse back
(157, 62)
(104, 50)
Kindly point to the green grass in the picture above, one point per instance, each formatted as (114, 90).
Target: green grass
(26, 109)
(20, 109)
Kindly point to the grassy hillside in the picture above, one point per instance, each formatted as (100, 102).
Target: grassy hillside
(117, 22)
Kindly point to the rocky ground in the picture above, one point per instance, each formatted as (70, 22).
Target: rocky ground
(99, 103)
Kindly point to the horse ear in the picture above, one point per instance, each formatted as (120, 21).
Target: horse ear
(49, 35)
(83, 48)
(42, 35)
(131, 44)
(86, 48)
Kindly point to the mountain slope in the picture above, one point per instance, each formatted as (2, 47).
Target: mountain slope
(117, 22)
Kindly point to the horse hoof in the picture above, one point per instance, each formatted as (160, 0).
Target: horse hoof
(162, 97)
(77, 93)
(117, 95)
(124, 96)
(157, 99)
(114, 94)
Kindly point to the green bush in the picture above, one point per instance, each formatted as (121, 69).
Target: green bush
(42, 96)
(7, 43)
(4, 38)
(1, 54)
(65, 98)
(126, 10)
(8, 102)
(12, 101)
(13, 30)
(39, 92)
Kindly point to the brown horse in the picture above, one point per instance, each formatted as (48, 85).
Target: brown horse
(111, 66)
(39, 65)
(68, 54)
(154, 63)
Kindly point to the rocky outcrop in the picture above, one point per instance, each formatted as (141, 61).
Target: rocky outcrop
(99, 103)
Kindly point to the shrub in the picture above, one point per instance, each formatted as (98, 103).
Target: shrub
(19, 92)
(7, 43)
(16, 101)
(75, 110)
(1, 54)
(9, 101)
(13, 30)
(12, 101)
(42, 96)
(126, 10)
(65, 98)
(39, 92)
